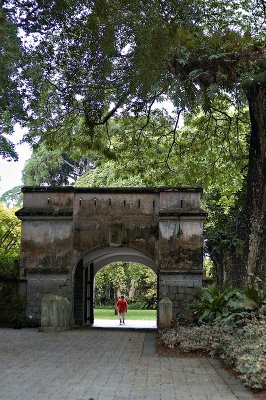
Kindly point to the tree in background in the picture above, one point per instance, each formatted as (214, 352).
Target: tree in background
(109, 174)
(53, 167)
(12, 198)
(9, 243)
(11, 96)
(48, 167)
(87, 61)
(137, 282)
(158, 155)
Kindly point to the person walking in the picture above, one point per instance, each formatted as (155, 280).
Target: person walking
(121, 307)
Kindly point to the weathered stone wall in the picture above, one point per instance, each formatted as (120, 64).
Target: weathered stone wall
(179, 288)
(46, 246)
(38, 285)
(116, 219)
(181, 243)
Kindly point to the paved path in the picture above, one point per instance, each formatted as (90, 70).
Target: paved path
(103, 364)
(132, 324)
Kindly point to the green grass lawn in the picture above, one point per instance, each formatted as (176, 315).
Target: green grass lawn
(104, 313)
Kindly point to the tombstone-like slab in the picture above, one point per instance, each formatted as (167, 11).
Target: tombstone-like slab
(55, 313)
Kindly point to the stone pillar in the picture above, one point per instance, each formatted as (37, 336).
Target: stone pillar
(55, 313)
(165, 313)
(180, 248)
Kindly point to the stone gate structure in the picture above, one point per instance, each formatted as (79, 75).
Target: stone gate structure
(69, 233)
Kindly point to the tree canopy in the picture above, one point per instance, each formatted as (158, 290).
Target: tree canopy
(88, 61)
(11, 108)
(53, 167)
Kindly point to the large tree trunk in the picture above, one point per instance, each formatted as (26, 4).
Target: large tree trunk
(228, 263)
(256, 183)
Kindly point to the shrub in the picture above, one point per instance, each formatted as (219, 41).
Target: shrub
(210, 303)
(229, 306)
(12, 305)
(243, 347)
(9, 266)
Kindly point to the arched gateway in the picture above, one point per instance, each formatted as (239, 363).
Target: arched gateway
(69, 233)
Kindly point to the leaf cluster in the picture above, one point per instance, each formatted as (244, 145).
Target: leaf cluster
(10, 233)
(53, 167)
(229, 306)
(11, 106)
(87, 61)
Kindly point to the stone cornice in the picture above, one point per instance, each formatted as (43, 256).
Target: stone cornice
(73, 189)
(183, 212)
(45, 212)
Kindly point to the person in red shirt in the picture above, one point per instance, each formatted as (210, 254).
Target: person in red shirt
(121, 307)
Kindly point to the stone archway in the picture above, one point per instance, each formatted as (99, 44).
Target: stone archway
(68, 228)
(86, 270)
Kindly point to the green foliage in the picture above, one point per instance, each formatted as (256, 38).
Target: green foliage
(9, 298)
(211, 303)
(10, 96)
(10, 233)
(134, 280)
(256, 291)
(153, 152)
(208, 267)
(242, 348)
(129, 53)
(226, 232)
(12, 198)
(206, 338)
(108, 175)
(52, 167)
(9, 265)
(158, 154)
(127, 56)
(228, 307)
(132, 314)
(12, 306)
(246, 352)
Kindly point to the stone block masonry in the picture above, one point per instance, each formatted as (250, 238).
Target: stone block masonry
(180, 288)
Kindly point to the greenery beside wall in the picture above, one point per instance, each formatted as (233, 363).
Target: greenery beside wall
(229, 324)
(10, 233)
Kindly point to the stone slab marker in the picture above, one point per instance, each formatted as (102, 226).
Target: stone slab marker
(55, 313)
(165, 313)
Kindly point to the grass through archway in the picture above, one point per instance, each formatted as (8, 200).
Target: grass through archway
(135, 281)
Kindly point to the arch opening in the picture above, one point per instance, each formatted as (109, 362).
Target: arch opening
(138, 283)
(85, 294)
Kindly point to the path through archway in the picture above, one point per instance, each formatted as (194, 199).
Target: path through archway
(85, 273)
(137, 283)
